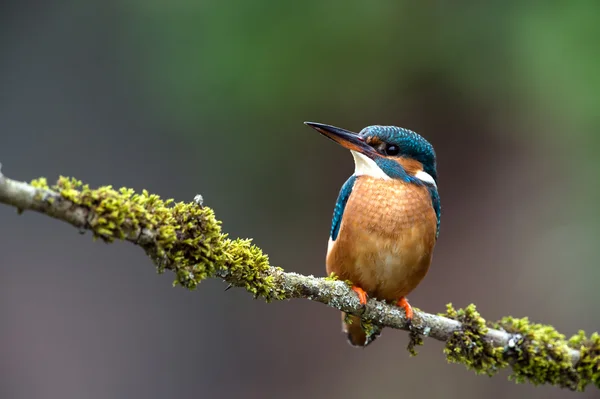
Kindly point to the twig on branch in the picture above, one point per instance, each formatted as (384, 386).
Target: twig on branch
(186, 238)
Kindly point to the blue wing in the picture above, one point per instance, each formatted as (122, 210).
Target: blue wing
(340, 205)
(435, 201)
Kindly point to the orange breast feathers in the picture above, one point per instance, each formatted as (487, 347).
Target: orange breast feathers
(386, 237)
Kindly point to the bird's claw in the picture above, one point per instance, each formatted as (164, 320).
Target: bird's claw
(403, 303)
(362, 295)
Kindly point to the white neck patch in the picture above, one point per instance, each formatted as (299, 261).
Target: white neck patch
(425, 177)
(365, 166)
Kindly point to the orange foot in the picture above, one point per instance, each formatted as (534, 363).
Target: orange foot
(403, 303)
(362, 295)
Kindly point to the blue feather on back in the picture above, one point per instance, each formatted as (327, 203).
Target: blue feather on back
(340, 205)
(435, 201)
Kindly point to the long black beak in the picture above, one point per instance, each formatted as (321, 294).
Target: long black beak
(343, 137)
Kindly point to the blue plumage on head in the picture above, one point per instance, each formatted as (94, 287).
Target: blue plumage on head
(412, 145)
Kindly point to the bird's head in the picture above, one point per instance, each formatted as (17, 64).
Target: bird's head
(386, 152)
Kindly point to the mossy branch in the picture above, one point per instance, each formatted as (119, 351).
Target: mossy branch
(186, 238)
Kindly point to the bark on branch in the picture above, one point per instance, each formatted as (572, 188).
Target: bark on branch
(186, 238)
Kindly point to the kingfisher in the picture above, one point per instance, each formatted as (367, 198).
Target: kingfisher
(386, 219)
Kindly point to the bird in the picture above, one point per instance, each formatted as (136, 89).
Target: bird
(386, 220)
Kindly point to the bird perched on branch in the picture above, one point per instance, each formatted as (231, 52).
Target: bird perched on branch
(386, 219)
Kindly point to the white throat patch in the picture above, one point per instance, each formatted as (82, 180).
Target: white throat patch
(425, 177)
(365, 166)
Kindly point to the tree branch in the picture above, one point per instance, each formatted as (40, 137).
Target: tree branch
(186, 238)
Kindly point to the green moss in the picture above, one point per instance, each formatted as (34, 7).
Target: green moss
(248, 264)
(187, 237)
(40, 183)
(372, 331)
(369, 328)
(537, 353)
(588, 366)
(334, 277)
(414, 340)
(540, 354)
(348, 318)
(467, 345)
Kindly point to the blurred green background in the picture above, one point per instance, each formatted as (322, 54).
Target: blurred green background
(188, 97)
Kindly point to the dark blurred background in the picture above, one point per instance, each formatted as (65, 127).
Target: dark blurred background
(209, 97)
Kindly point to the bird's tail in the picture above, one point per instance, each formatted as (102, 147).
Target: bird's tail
(359, 334)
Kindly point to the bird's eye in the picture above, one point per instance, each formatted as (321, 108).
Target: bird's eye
(392, 149)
